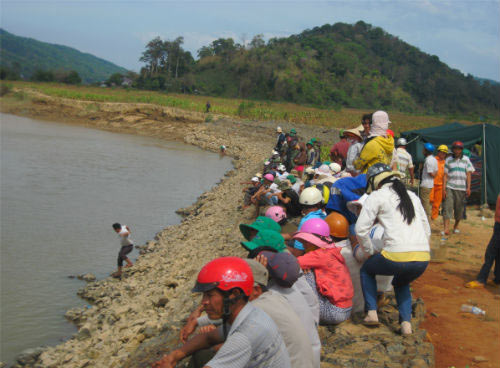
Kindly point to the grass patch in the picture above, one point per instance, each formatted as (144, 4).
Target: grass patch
(5, 88)
(238, 108)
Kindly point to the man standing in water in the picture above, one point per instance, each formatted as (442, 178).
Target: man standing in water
(123, 232)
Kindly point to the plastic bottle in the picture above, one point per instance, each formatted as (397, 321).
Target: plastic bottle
(471, 309)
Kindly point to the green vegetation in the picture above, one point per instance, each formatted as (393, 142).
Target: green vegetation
(332, 66)
(237, 108)
(25, 57)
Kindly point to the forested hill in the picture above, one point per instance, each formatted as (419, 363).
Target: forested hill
(28, 55)
(333, 65)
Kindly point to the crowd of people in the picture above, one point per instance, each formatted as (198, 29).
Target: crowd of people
(330, 238)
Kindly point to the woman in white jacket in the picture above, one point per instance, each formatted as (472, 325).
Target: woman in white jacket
(405, 254)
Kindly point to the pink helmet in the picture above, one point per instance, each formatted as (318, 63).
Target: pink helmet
(315, 231)
(269, 177)
(276, 213)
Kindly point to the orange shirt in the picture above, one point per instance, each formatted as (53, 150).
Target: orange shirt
(438, 179)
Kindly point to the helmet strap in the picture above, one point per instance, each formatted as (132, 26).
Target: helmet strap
(226, 311)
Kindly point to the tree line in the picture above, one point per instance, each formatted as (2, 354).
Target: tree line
(340, 65)
(331, 66)
(40, 75)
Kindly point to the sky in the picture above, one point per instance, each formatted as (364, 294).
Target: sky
(463, 34)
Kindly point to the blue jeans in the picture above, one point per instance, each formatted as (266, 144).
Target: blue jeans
(491, 256)
(270, 201)
(403, 272)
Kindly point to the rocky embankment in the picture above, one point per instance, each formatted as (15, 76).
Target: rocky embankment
(133, 321)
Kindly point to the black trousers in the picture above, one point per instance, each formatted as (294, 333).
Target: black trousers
(122, 256)
(492, 255)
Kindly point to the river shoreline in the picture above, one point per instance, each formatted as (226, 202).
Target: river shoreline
(135, 320)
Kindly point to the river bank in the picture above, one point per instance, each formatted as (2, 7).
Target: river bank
(135, 320)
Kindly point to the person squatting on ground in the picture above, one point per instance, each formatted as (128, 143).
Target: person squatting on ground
(127, 246)
(406, 251)
(278, 214)
(326, 271)
(277, 307)
(492, 255)
(311, 200)
(286, 278)
(457, 181)
(427, 181)
(249, 337)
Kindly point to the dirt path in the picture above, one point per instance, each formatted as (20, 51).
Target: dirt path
(458, 337)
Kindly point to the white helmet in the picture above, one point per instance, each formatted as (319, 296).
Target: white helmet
(335, 168)
(310, 196)
(281, 167)
(279, 130)
(401, 142)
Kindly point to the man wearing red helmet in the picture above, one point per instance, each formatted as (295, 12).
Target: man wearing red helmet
(249, 336)
(456, 183)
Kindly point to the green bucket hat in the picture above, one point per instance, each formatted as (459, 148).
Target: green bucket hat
(313, 140)
(467, 153)
(260, 223)
(266, 238)
(293, 132)
(292, 179)
(284, 185)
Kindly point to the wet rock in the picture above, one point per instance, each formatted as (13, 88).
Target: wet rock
(29, 356)
(84, 333)
(75, 315)
(88, 277)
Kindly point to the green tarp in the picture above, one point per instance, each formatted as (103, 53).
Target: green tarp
(485, 134)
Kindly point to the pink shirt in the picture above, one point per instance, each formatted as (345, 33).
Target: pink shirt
(333, 279)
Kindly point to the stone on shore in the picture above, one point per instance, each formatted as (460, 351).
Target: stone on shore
(88, 277)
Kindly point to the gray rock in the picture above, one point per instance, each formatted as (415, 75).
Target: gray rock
(29, 356)
(88, 277)
(83, 333)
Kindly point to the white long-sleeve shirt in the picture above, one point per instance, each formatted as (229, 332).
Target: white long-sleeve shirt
(398, 236)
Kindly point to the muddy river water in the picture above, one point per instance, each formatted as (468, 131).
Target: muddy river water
(62, 187)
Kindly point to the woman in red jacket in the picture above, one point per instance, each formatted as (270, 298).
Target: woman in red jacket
(329, 276)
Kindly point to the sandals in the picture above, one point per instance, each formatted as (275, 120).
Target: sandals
(370, 323)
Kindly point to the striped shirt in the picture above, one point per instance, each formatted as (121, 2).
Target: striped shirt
(457, 169)
(253, 341)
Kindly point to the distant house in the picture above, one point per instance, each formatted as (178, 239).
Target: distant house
(127, 82)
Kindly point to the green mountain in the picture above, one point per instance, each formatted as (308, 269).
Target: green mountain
(350, 65)
(30, 55)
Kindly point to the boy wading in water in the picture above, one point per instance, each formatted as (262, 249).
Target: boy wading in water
(127, 246)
